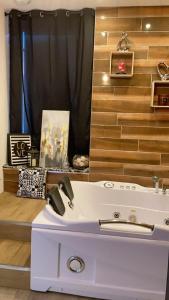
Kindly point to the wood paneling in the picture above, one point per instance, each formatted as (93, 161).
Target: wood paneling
(113, 93)
(105, 51)
(10, 186)
(103, 118)
(139, 146)
(144, 181)
(140, 119)
(105, 131)
(15, 253)
(11, 178)
(125, 156)
(111, 24)
(15, 232)
(142, 38)
(165, 159)
(137, 92)
(127, 106)
(106, 167)
(157, 24)
(54, 177)
(159, 52)
(107, 12)
(146, 170)
(10, 174)
(142, 11)
(101, 65)
(143, 133)
(154, 146)
(142, 80)
(141, 66)
(101, 38)
(114, 144)
(15, 279)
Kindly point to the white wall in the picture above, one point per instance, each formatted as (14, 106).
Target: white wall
(3, 95)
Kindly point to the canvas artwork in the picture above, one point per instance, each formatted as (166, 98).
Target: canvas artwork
(54, 139)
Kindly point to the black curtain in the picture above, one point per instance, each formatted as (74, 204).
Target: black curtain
(52, 70)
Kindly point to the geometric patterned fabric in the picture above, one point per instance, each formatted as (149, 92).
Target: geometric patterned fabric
(32, 183)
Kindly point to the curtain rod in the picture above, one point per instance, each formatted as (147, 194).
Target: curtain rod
(42, 13)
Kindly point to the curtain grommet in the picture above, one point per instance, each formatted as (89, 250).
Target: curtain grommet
(42, 14)
(67, 13)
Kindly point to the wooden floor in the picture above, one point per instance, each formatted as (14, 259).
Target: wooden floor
(13, 294)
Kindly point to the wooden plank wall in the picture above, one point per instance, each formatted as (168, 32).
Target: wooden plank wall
(10, 178)
(129, 139)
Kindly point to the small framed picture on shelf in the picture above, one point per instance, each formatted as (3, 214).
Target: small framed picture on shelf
(18, 146)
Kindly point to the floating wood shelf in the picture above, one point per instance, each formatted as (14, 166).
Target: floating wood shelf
(160, 94)
(121, 64)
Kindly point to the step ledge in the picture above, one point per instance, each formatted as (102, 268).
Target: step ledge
(16, 268)
(16, 223)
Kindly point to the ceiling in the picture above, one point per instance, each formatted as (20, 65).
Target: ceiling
(78, 4)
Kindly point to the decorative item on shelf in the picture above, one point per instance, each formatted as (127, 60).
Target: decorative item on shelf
(163, 100)
(163, 70)
(18, 149)
(122, 60)
(80, 162)
(121, 67)
(34, 157)
(123, 44)
(32, 183)
(160, 94)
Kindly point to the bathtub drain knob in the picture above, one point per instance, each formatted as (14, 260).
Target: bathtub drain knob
(116, 215)
(75, 264)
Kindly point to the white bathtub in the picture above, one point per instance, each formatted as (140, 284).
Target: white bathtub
(115, 236)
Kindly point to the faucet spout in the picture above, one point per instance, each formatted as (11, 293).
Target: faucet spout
(156, 183)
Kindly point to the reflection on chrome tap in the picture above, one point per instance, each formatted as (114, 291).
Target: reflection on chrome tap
(156, 183)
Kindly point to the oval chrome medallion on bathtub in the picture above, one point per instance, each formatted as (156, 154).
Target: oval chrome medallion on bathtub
(75, 264)
(108, 184)
(166, 221)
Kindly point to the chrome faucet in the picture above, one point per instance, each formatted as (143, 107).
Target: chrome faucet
(156, 183)
(164, 190)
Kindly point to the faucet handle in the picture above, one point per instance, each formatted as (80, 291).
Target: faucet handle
(155, 179)
(165, 185)
(164, 189)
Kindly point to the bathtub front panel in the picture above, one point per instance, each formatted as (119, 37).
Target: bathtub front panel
(127, 268)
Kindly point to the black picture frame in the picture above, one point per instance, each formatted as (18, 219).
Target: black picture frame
(17, 147)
